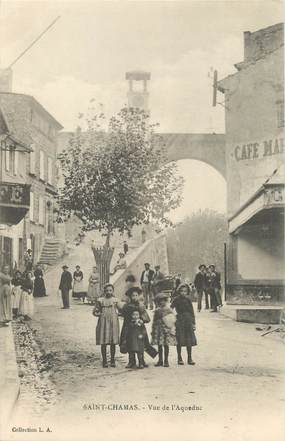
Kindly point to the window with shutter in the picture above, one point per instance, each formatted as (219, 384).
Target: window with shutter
(31, 206)
(50, 171)
(41, 210)
(7, 160)
(42, 165)
(33, 161)
(15, 163)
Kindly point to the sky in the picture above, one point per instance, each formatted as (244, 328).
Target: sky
(87, 52)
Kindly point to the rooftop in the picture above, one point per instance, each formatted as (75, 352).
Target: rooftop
(11, 97)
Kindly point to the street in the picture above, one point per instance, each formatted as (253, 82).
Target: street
(234, 365)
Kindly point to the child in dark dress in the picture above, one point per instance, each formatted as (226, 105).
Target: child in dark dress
(135, 339)
(127, 310)
(185, 322)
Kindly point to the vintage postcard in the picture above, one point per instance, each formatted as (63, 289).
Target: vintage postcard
(142, 220)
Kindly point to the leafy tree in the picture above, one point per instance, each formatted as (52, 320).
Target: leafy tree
(198, 239)
(116, 175)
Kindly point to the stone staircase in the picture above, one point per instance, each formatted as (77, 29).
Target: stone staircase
(153, 251)
(52, 251)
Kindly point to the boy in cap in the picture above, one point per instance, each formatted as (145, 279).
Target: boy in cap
(200, 285)
(146, 280)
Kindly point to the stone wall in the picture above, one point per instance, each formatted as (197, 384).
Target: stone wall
(258, 44)
(9, 379)
(206, 147)
(254, 133)
(153, 251)
(255, 295)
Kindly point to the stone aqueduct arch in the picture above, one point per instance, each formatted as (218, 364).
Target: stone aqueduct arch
(205, 147)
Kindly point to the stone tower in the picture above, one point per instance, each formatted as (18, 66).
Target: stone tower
(138, 97)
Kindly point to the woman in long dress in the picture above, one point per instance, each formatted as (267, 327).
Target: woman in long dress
(26, 307)
(39, 283)
(94, 286)
(78, 286)
(16, 292)
(5, 297)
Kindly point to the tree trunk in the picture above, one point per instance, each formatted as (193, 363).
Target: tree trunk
(107, 243)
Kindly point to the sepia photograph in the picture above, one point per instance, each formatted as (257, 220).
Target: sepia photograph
(142, 201)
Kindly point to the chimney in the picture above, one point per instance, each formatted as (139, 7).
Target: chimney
(6, 80)
(247, 45)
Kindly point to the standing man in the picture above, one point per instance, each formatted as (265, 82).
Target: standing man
(200, 285)
(215, 281)
(126, 247)
(146, 279)
(65, 286)
(28, 258)
(143, 235)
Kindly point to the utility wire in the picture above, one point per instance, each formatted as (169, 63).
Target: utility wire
(33, 42)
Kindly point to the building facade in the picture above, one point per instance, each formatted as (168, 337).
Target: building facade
(33, 125)
(254, 102)
(14, 195)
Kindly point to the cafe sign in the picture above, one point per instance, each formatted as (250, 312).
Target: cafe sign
(14, 202)
(258, 150)
(269, 196)
(274, 195)
(14, 194)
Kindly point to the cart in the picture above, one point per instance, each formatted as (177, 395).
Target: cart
(165, 285)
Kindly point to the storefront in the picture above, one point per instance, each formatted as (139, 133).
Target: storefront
(254, 102)
(14, 204)
(256, 251)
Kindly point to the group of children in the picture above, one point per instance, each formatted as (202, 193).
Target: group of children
(168, 329)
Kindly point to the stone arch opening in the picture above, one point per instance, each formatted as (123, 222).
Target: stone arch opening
(204, 188)
(206, 147)
(199, 234)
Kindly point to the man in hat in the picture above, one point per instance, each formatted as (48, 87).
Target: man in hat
(28, 258)
(200, 285)
(65, 286)
(146, 279)
(126, 247)
(215, 282)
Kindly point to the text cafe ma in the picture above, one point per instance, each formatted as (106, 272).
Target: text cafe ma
(257, 150)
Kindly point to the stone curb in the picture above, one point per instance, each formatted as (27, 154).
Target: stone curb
(9, 379)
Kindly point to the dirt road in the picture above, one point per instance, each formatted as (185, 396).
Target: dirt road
(235, 391)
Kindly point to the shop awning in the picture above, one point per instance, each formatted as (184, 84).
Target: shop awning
(14, 202)
(8, 140)
(268, 197)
